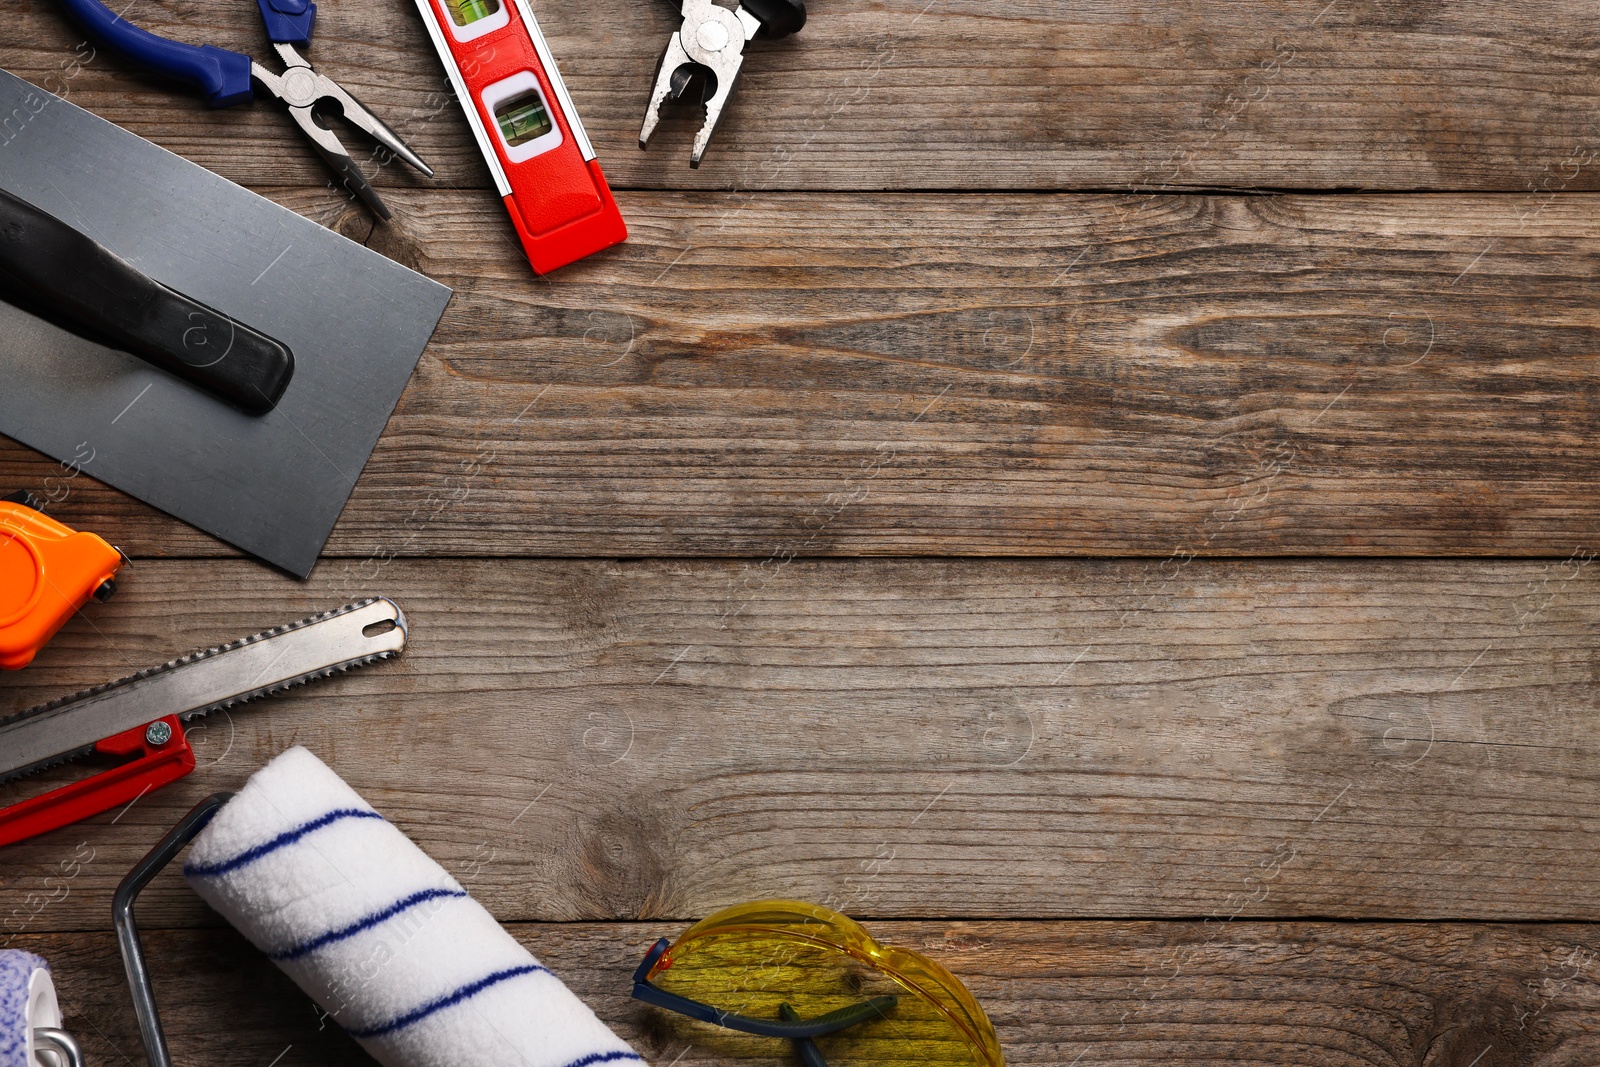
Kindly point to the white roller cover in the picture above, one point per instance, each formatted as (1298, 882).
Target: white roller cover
(379, 934)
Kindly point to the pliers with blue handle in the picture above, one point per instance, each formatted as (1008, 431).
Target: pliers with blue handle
(225, 78)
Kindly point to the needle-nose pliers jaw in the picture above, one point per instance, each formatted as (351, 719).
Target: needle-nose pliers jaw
(308, 96)
(226, 78)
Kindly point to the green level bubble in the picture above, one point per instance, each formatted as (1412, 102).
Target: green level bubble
(523, 117)
(466, 12)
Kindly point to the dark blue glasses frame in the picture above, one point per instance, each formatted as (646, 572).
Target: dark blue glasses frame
(792, 1028)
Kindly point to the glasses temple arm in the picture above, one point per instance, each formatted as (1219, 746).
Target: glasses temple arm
(830, 1023)
(805, 1047)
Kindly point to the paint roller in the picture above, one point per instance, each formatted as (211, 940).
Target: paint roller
(372, 929)
(30, 1016)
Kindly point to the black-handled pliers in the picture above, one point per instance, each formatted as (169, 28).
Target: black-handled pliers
(709, 49)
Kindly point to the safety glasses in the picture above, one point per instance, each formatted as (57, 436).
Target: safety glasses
(792, 973)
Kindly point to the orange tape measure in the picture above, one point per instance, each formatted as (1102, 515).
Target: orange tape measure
(47, 572)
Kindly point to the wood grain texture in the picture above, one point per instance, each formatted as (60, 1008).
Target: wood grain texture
(1328, 995)
(905, 739)
(953, 94)
(821, 374)
(928, 297)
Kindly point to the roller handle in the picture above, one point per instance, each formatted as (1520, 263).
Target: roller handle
(144, 996)
(50, 266)
(223, 76)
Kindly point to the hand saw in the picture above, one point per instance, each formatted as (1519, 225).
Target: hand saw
(142, 716)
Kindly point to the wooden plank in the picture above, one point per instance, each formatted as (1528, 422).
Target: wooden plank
(1342, 995)
(824, 374)
(1005, 739)
(956, 94)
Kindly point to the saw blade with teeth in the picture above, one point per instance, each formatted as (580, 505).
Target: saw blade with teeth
(202, 682)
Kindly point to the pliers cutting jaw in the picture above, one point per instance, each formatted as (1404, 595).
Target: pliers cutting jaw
(307, 95)
(708, 49)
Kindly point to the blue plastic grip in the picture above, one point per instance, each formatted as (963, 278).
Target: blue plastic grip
(288, 21)
(223, 76)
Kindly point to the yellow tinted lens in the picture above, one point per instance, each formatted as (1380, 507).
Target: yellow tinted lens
(756, 959)
(944, 989)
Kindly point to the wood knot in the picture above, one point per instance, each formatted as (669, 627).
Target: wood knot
(622, 867)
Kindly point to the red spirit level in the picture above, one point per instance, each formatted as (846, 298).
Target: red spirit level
(527, 128)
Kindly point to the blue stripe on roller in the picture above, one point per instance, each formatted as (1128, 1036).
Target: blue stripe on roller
(288, 837)
(471, 989)
(365, 923)
(605, 1057)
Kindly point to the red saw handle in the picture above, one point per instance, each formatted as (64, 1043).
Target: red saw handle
(153, 766)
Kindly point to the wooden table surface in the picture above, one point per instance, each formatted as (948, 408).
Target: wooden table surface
(1101, 491)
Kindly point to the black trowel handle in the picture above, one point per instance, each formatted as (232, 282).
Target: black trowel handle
(50, 267)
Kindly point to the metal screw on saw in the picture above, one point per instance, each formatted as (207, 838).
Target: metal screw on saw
(158, 732)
